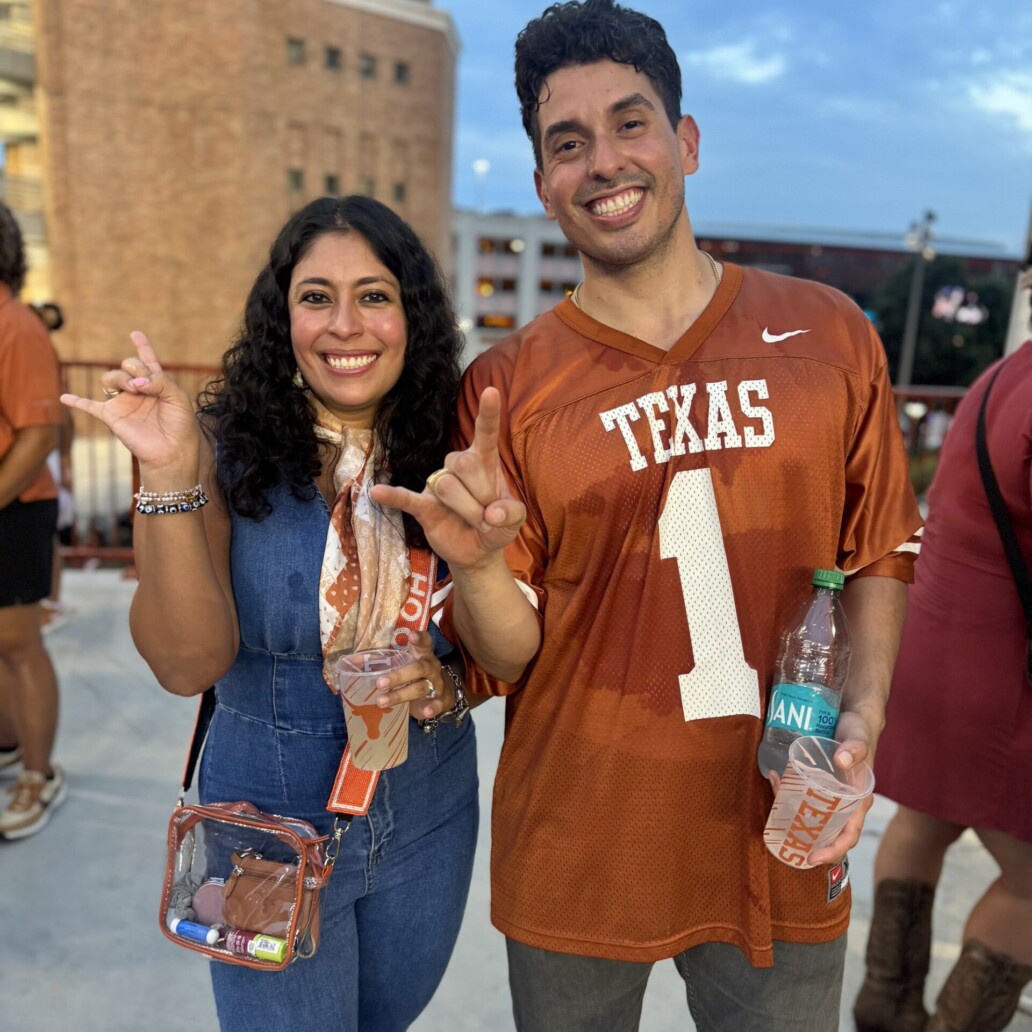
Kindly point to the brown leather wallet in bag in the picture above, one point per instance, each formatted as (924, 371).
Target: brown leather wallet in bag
(261, 896)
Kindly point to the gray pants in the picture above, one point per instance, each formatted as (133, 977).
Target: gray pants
(558, 992)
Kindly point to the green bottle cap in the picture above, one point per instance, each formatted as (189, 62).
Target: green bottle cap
(828, 579)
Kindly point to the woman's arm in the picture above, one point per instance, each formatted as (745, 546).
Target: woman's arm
(182, 618)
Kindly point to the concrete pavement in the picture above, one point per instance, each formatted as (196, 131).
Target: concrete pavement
(79, 942)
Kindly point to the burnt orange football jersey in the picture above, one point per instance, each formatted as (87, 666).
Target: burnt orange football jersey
(678, 503)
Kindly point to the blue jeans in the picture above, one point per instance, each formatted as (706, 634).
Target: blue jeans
(391, 911)
(801, 993)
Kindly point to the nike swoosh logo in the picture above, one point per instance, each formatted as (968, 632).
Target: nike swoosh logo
(773, 338)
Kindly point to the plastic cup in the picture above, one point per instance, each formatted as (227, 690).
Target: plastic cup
(813, 801)
(378, 737)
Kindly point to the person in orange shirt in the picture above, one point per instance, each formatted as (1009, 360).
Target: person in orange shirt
(30, 417)
(688, 440)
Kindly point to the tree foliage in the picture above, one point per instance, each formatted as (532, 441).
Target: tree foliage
(947, 353)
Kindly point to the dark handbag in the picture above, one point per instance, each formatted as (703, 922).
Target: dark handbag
(1004, 525)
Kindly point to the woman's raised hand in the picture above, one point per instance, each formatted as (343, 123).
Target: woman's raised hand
(147, 411)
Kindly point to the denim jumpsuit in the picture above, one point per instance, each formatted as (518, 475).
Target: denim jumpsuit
(395, 899)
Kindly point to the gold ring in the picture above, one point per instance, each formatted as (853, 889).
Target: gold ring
(109, 393)
(431, 691)
(431, 481)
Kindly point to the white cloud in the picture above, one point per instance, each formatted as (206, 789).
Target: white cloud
(1008, 93)
(743, 62)
(872, 110)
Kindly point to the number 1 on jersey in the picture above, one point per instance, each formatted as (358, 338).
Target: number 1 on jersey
(721, 684)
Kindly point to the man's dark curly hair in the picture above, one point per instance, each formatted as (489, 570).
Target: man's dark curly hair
(263, 422)
(583, 33)
(12, 251)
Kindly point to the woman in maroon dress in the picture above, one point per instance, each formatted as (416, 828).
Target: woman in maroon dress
(957, 747)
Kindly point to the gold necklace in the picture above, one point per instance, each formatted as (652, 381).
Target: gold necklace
(575, 296)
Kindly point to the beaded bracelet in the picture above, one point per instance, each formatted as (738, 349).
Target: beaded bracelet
(152, 503)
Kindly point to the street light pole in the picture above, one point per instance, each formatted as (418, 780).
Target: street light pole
(919, 239)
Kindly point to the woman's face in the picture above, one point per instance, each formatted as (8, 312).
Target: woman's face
(347, 326)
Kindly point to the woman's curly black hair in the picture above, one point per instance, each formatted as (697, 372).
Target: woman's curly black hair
(583, 33)
(12, 251)
(263, 422)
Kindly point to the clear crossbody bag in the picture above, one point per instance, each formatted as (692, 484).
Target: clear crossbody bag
(241, 885)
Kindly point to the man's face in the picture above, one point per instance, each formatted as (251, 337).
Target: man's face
(613, 167)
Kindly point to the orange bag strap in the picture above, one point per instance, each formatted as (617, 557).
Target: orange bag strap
(353, 789)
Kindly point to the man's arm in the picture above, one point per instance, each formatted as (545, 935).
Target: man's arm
(469, 517)
(875, 608)
(23, 460)
(496, 623)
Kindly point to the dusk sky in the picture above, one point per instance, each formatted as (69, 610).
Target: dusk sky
(812, 114)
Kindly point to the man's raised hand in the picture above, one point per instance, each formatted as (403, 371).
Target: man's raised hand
(466, 509)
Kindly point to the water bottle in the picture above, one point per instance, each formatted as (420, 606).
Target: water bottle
(813, 660)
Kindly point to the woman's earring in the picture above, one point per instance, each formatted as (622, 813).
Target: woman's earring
(299, 381)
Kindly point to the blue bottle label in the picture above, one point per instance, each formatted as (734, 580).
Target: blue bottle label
(802, 710)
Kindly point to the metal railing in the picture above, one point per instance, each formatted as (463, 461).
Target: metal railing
(105, 476)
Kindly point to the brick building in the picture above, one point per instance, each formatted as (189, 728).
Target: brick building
(177, 135)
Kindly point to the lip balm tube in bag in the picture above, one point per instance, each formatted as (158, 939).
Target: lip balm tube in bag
(192, 930)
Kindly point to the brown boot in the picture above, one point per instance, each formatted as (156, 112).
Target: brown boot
(981, 993)
(898, 951)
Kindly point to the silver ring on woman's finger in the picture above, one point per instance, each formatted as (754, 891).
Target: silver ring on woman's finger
(431, 691)
(111, 393)
(431, 481)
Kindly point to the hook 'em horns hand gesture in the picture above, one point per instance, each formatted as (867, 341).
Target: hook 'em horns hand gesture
(466, 509)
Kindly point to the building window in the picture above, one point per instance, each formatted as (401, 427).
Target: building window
(399, 191)
(496, 322)
(365, 185)
(334, 60)
(332, 184)
(295, 50)
(401, 73)
(367, 66)
(295, 180)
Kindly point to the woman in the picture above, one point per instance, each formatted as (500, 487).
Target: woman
(957, 747)
(345, 373)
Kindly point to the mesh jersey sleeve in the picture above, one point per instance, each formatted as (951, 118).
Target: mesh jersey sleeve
(881, 526)
(526, 555)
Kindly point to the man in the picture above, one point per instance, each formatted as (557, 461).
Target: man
(687, 442)
(30, 415)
